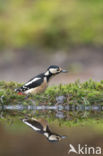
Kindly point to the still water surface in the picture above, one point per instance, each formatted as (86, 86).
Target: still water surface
(18, 139)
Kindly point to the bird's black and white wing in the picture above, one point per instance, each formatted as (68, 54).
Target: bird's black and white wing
(47, 132)
(34, 124)
(44, 130)
(48, 129)
(32, 83)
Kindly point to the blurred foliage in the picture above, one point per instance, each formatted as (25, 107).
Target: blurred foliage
(53, 24)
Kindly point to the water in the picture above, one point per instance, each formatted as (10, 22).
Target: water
(30, 143)
(59, 110)
(55, 107)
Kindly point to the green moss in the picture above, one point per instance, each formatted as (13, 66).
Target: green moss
(88, 93)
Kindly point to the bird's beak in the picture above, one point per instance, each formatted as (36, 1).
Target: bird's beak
(64, 71)
(63, 137)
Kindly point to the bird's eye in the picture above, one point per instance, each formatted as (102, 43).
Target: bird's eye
(58, 69)
(58, 138)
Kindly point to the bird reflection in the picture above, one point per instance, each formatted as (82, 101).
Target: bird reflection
(41, 126)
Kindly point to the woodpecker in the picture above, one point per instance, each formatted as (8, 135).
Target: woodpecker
(40, 82)
(41, 126)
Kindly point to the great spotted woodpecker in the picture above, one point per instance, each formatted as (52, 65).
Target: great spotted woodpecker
(39, 83)
(42, 127)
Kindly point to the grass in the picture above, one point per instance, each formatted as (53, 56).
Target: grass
(50, 24)
(87, 93)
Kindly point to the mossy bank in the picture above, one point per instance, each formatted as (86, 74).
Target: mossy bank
(88, 93)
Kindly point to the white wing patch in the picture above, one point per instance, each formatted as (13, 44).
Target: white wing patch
(46, 73)
(46, 134)
(33, 127)
(35, 79)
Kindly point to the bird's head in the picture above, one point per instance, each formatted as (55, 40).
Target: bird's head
(56, 138)
(60, 137)
(53, 70)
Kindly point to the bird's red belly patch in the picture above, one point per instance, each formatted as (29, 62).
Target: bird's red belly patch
(20, 93)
